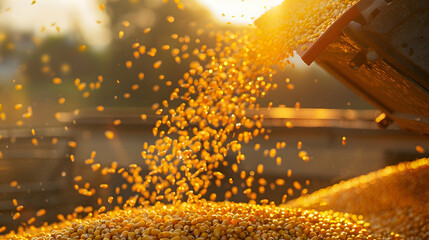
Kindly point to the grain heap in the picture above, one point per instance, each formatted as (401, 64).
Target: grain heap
(208, 220)
(398, 210)
(393, 199)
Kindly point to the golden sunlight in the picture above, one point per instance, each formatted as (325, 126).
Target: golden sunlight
(239, 11)
(58, 17)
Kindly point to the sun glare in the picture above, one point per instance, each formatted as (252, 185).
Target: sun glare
(239, 11)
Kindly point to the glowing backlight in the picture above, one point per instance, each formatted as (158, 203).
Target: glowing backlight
(239, 11)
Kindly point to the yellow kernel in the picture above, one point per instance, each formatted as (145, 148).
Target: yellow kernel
(56, 80)
(297, 185)
(280, 182)
(129, 64)
(247, 191)
(260, 169)
(82, 48)
(40, 212)
(31, 220)
(93, 154)
(157, 64)
(165, 47)
(72, 144)
(272, 152)
(109, 134)
(102, 209)
(16, 216)
(279, 161)
(126, 23)
(134, 87)
(420, 149)
(141, 76)
(170, 19)
(17, 106)
(299, 145)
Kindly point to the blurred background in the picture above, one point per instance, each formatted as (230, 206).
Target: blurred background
(61, 61)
